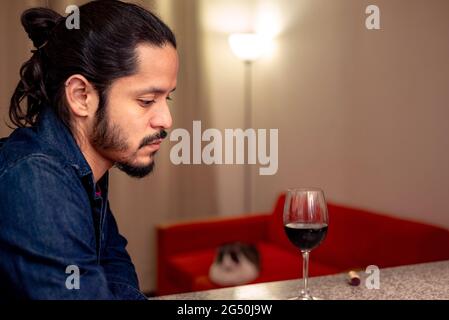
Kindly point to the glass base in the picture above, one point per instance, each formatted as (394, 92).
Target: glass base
(304, 296)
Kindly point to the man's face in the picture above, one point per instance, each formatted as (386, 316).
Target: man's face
(136, 113)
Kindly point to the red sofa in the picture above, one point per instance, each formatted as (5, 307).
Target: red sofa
(356, 238)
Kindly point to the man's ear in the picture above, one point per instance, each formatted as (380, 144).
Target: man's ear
(81, 96)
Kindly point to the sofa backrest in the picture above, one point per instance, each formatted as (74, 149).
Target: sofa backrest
(358, 238)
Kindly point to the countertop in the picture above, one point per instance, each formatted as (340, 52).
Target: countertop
(412, 282)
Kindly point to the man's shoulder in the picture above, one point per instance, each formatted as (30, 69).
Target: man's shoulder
(34, 176)
(24, 144)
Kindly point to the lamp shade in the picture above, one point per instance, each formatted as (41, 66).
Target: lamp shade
(248, 46)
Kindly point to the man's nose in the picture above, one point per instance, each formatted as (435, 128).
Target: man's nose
(162, 118)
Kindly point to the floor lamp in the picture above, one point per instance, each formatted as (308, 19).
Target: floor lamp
(248, 47)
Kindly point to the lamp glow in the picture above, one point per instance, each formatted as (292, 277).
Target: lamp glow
(248, 46)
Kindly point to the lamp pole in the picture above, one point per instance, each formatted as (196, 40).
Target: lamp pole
(248, 115)
(248, 47)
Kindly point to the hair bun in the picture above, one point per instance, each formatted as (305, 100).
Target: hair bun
(38, 23)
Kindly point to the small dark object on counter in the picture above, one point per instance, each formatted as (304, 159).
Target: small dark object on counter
(353, 278)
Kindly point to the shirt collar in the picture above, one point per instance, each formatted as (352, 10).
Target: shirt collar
(58, 136)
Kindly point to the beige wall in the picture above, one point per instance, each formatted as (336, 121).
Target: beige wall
(362, 114)
(14, 50)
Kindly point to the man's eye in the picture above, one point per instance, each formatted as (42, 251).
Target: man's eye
(169, 98)
(146, 103)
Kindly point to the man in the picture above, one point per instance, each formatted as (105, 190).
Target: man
(95, 97)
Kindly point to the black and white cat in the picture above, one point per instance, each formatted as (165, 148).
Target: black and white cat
(235, 264)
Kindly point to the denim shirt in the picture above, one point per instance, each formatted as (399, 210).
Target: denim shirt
(56, 223)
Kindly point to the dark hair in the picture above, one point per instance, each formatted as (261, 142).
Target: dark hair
(102, 50)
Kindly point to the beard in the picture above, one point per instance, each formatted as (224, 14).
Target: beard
(136, 171)
(109, 137)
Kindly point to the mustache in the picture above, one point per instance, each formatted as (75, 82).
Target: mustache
(161, 135)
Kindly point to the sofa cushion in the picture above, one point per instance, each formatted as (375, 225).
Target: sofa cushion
(190, 271)
(281, 264)
(186, 268)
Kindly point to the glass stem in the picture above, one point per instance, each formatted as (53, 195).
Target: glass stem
(305, 272)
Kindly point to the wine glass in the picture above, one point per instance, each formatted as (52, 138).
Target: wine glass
(305, 223)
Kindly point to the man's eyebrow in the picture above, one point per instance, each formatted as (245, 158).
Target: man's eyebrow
(154, 90)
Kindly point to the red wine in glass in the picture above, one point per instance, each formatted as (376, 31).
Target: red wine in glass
(305, 224)
(306, 236)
